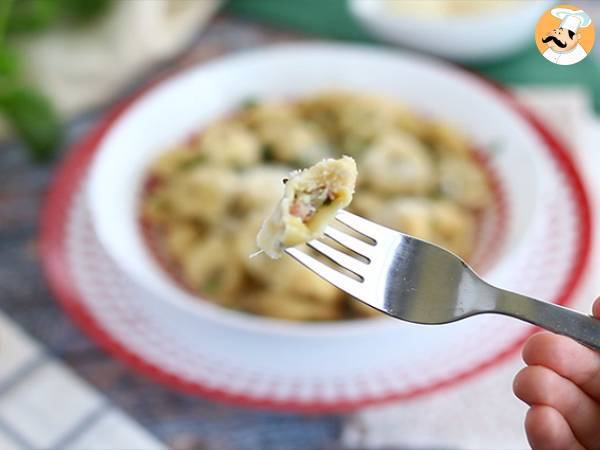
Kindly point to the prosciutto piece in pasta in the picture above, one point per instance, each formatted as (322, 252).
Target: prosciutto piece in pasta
(311, 200)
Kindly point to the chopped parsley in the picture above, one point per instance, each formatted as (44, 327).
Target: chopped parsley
(250, 102)
(192, 162)
(268, 154)
(212, 285)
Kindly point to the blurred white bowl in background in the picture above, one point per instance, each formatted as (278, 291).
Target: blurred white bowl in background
(496, 31)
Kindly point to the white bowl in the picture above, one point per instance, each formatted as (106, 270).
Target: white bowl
(178, 106)
(485, 35)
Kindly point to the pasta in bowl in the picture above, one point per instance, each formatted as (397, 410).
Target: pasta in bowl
(205, 199)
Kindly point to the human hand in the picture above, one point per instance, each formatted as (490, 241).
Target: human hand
(561, 383)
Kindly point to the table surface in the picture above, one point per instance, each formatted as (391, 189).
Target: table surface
(181, 421)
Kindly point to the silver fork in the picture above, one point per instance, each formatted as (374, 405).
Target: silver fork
(416, 281)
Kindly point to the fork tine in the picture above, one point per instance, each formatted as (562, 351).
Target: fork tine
(350, 242)
(363, 226)
(338, 279)
(346, 261)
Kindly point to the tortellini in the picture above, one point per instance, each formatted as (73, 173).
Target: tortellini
(408, 215)
(311, 199)
(284, 275)
(180, 237)
(208, 268)
(291, 306)
(398, 163)
(174, 160)
(201, 193)
(286, 138)
(453, 227)
(438, 221)
(354, 121)
(205, 199)
(446, 140)
(366, 203)
(259, 188)
(230, 144)
(462, 181)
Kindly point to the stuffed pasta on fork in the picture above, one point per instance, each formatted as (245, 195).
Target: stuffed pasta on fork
(311, 200)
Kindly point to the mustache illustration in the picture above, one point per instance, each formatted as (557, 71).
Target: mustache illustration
(555, 40)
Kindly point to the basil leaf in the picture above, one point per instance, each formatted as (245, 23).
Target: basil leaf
(32, 15)
(9, 64)
(84, 11)
(33, 118)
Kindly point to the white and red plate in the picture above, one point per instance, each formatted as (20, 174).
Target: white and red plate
(310, 367)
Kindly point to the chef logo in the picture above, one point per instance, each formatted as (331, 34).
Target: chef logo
(564, 35)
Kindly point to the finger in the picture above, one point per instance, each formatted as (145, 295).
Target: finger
(596, 308)
(537, 385)
(567, 358)
(548, 430)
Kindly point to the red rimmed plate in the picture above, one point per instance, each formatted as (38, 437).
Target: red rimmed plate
(330, 372)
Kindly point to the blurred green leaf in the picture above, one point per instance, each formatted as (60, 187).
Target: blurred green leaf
(84, 11)
(32, 15)
(33, 118)
(28, 111)
(9, 63)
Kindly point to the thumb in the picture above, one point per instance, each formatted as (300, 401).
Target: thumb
(596, 308)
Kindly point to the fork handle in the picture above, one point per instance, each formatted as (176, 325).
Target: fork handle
(558, 319)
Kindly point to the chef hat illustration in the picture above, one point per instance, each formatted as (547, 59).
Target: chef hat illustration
(572, 20)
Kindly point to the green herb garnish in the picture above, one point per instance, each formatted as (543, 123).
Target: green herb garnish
(81, 12)
(26, 109)
(268, 153)
(250, 102)
(212, 285)
(32, 116)
(191, 163)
